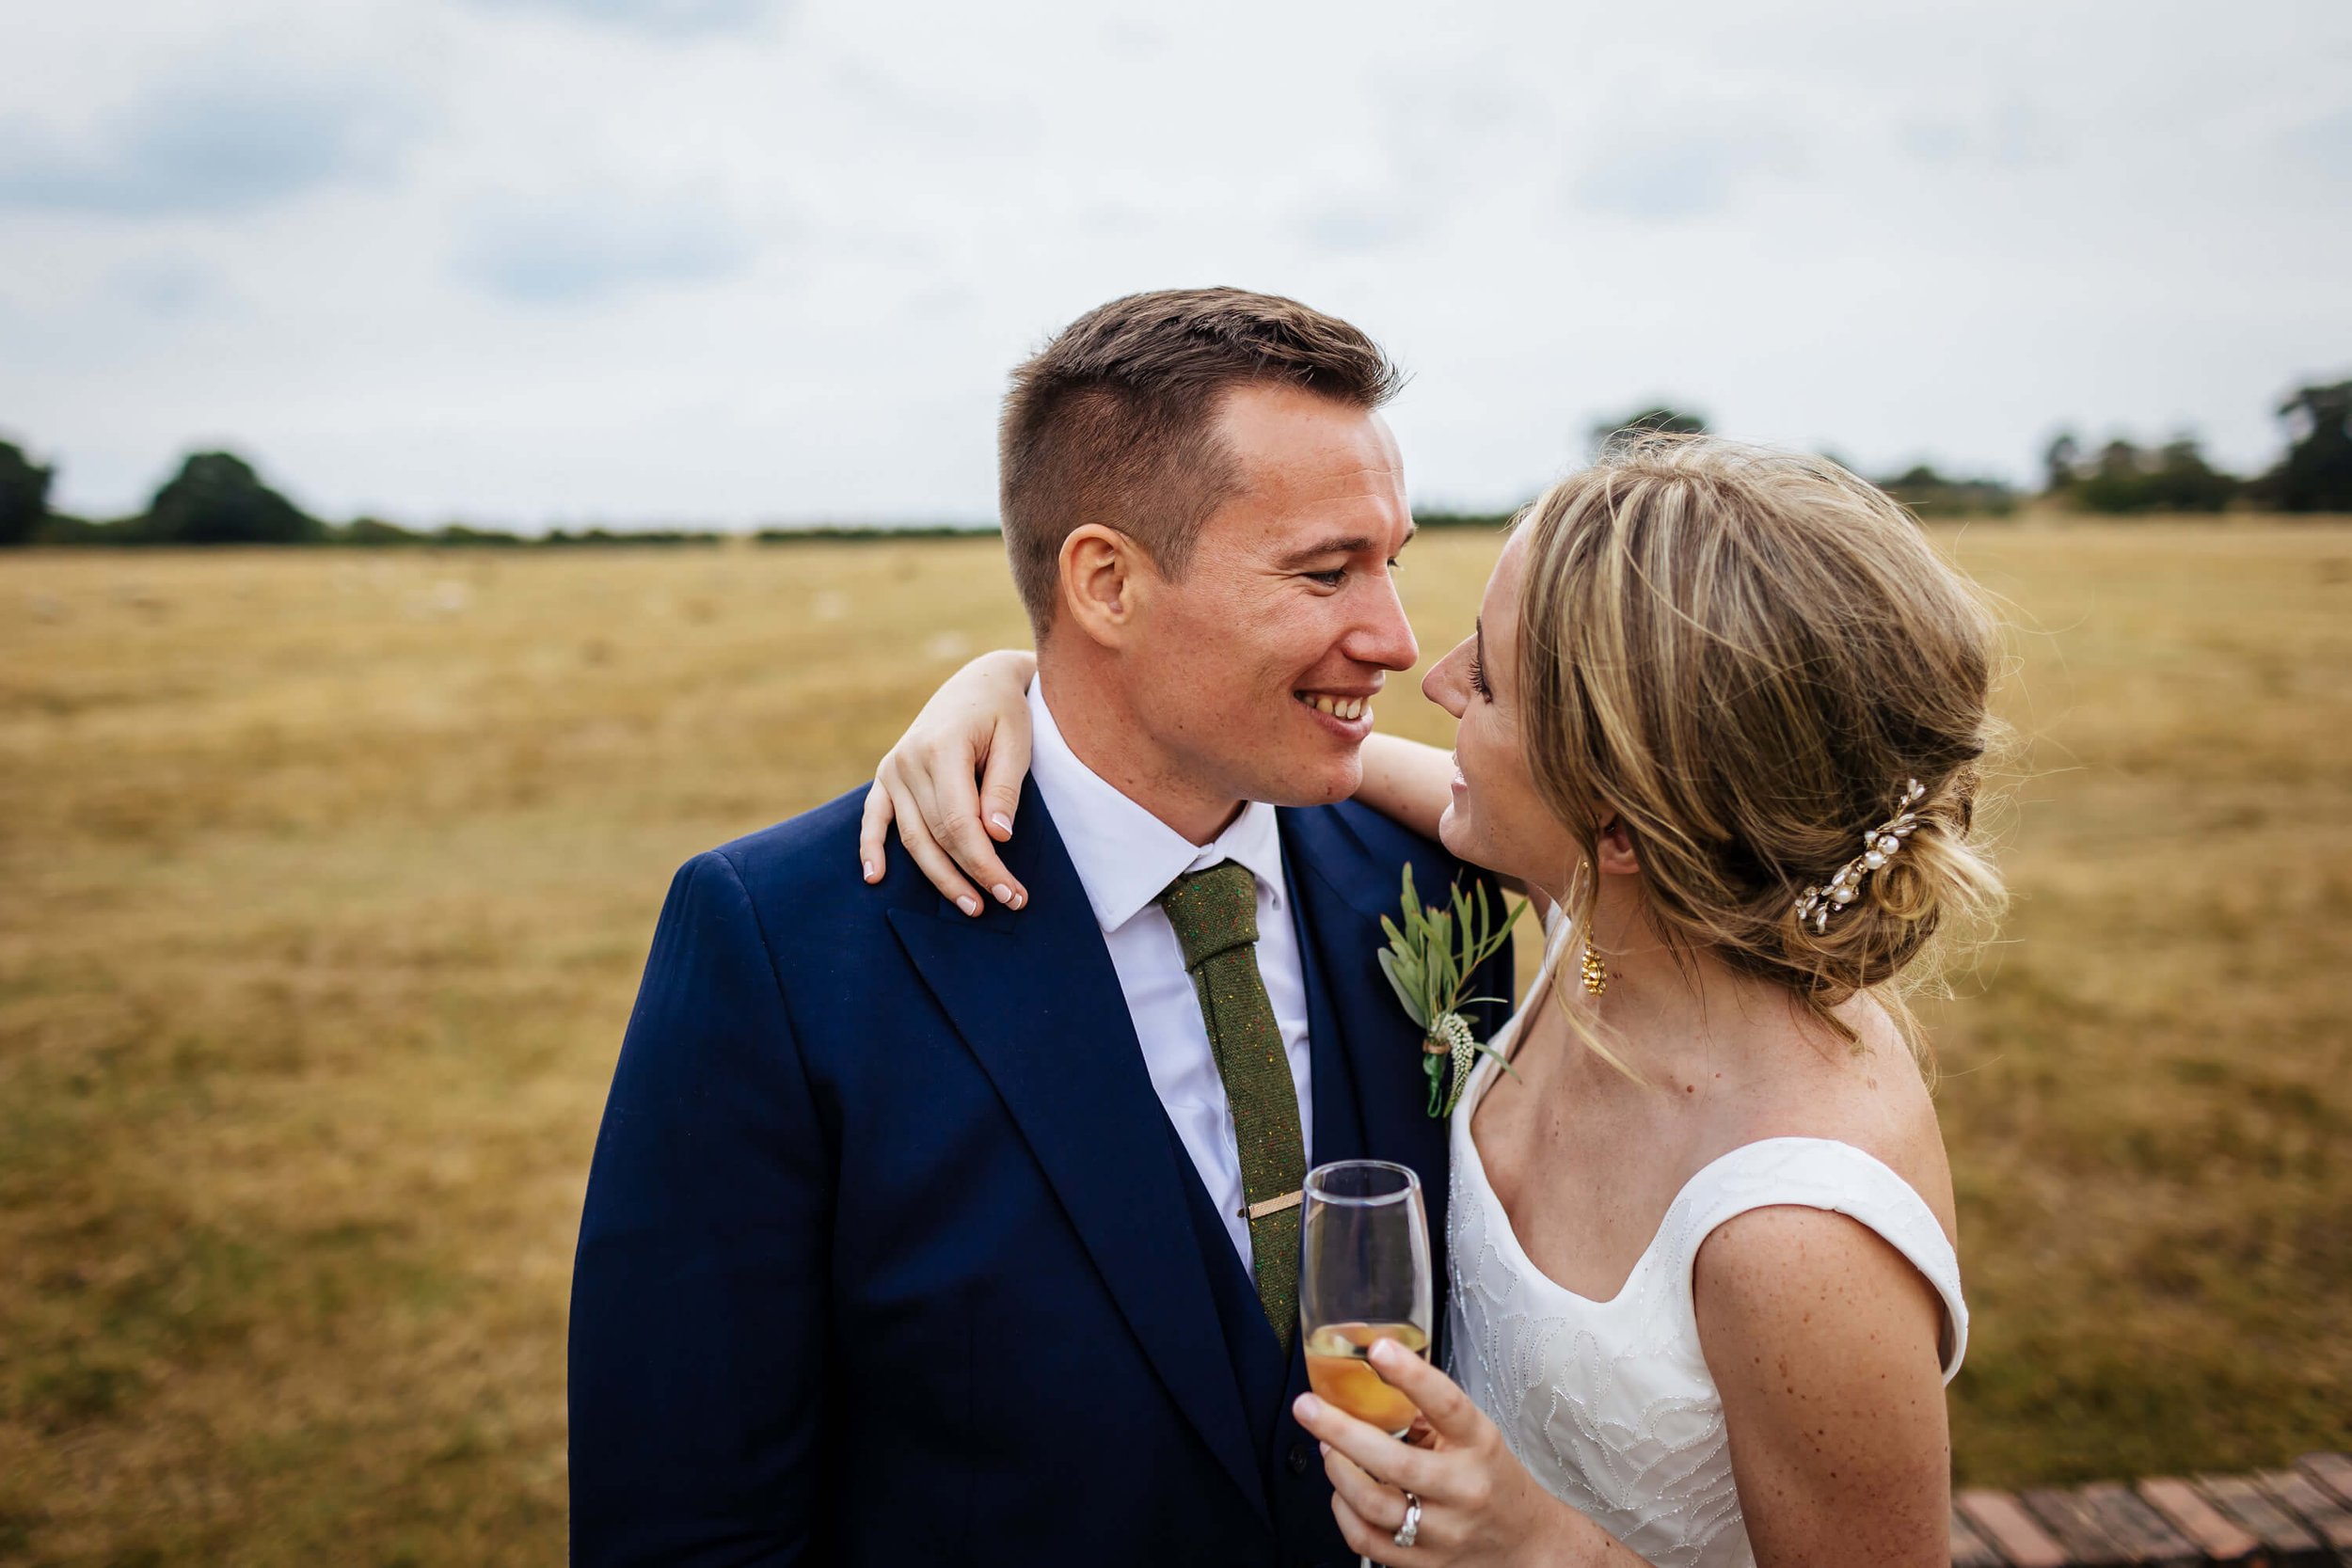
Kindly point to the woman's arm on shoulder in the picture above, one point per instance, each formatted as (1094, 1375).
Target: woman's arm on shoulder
(1411, 783)
(1407, 781)
(953, 781)
(1823, 1343)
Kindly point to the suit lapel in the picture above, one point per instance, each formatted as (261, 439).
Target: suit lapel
(1037, 1000)
(1342, 896)
(1338, 1123)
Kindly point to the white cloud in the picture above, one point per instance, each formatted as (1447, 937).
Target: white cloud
(1677, 175)
(673, 17)
(2324, 145)
(586, 247)
(225, 137)
(728, 259)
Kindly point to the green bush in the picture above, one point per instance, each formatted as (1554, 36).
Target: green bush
(216, 498)
(24, 496)
(2172, 478)
(2316, 473)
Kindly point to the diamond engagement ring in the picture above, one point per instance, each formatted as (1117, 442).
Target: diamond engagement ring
(1410, 1529)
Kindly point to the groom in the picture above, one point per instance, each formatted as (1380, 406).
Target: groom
(916, 1236)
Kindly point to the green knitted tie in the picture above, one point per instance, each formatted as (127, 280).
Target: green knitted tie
(1216, 916)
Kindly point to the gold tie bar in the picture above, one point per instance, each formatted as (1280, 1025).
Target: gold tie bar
(1271, 1206)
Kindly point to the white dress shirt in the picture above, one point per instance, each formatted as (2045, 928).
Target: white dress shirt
(1125, 858)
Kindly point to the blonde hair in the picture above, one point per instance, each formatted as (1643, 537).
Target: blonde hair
(1744, 657)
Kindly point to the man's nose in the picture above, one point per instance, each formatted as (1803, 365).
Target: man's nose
(1386, 637)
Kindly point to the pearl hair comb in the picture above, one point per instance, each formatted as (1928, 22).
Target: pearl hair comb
(1879, 846)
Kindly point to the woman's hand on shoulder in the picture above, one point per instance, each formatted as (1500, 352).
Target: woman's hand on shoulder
(953, 782)
(1823, 1342)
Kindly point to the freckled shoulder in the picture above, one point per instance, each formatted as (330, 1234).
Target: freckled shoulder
(1827, 1348)
(1783, 1261)
(1875, 1098)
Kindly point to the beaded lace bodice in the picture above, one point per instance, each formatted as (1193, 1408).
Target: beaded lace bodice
(1609, 1403)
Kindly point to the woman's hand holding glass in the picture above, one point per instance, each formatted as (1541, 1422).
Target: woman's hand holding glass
(1478, 1503)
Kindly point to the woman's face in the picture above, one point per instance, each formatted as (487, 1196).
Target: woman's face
(1496, 819)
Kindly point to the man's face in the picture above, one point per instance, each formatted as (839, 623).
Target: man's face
(1286, 611)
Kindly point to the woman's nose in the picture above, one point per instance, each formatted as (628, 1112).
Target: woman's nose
(1439, 686)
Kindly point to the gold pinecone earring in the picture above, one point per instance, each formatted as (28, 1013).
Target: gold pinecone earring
(1595, 973)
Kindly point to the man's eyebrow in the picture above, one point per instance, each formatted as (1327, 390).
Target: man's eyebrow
(1356, 544)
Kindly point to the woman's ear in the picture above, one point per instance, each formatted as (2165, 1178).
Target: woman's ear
(1098, 581)
(1616, 856)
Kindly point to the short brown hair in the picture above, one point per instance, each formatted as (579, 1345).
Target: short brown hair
(1110, 422)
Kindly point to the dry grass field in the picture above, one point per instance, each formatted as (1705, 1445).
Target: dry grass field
(325, 878)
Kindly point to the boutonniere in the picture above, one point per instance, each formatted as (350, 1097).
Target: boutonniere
(1429, 962)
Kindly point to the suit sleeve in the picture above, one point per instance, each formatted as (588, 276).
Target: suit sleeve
(699, 1294)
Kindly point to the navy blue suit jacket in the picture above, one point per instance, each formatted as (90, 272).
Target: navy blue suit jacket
(890, 1254)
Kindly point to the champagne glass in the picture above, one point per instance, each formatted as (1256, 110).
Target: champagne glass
(1363, 1276)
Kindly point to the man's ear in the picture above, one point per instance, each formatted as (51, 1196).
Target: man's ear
(1104, 579)
(1617, 856)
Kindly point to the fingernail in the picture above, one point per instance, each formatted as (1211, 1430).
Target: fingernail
(968, 904)
(1384, 1350)
(1001, 821)
(1308, 1407)
(869, 869)
(1004, 894)
(1325, 1448)
(1020, 900)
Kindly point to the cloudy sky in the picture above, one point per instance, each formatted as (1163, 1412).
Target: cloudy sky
(543, 262)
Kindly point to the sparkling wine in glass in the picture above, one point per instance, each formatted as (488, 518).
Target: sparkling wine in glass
(1363, 1276)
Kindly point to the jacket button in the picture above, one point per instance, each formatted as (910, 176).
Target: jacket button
(1302, 1455)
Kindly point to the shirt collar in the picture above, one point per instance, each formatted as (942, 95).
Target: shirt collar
(1126, 857)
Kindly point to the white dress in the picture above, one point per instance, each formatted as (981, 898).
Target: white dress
(1609, 1403)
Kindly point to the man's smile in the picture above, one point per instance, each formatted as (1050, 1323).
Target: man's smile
(1337, 706)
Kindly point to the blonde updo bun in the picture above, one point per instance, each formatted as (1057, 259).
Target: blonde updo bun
(1746, 656)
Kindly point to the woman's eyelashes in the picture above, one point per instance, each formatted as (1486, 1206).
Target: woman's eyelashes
(1478, 679)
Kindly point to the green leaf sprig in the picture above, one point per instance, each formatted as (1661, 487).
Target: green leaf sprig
(1429, 962)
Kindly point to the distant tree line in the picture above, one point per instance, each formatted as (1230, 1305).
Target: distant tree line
(1921, 487)
(2314, 475)
(2120, 478)
(217, 498)
(842, 533)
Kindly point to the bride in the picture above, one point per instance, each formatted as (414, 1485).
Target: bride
(1722, 720)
